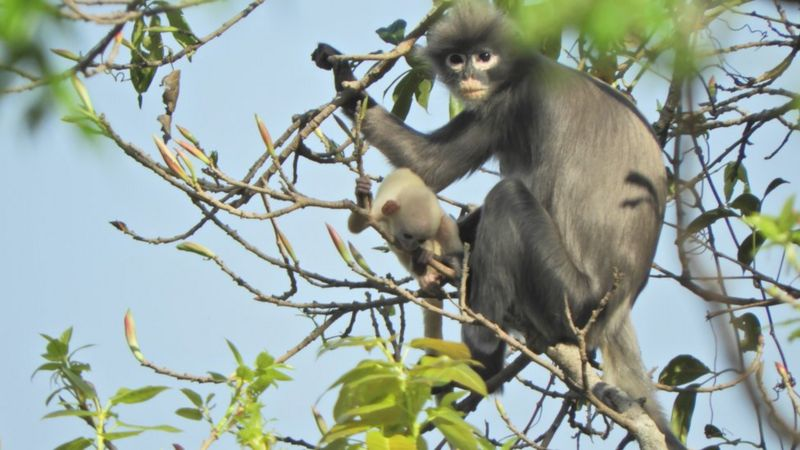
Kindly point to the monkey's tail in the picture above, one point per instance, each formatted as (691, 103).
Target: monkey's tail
(623, 368)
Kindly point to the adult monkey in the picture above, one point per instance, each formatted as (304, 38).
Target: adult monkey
(581, 197)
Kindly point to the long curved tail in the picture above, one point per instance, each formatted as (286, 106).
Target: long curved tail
(623, 368)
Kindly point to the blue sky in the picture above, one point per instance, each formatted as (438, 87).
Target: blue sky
(64, 265)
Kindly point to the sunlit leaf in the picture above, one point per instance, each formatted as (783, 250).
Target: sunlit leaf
(394, 33)
(455, 350)
(750, 327)
(128, 396)
(682, 411)
(682, 369)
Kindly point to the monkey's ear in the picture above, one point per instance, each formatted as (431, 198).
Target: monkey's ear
(390, 207)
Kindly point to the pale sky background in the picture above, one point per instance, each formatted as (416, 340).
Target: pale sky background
(64, 265)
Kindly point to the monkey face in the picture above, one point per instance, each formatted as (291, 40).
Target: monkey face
(408, 241)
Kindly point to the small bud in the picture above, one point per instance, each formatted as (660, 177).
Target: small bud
(188, 135)
(65, 54)
(185, 159)
(82, 93)
(193, 247)
(712, 87)
(262, 129)
(170, 160)
(130, 337)
(284, 241)
(359, 258)
(196, 152)
(320, 421)
(120, 225)
(337, 241)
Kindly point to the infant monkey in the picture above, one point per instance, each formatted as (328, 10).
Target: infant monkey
(410, 212)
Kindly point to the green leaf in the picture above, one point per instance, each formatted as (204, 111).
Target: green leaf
(190, 413)
(78, 383)
(403, 94)
(712, 432)
(423, 92)
(164, 428)
(68, 413)
(344, 430)
(682, 411)
(749, 247)
(394, 33)
(377, 441)
(368, 343)
(735, 171)
(774, 184)
(442, 370)
(454, 106)
(455, 350)
(193, 247)
(747, 203)
(128, 396)
(708, 218)
(121, 435)
(457, 432)
(750, 326)
(382, 413)
(193, 397)
(76, 444)
(236, 354)
(681, 370)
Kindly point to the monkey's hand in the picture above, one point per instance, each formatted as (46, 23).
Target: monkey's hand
(363, 191)
(320, 56)
(341, 69)
(341, 72)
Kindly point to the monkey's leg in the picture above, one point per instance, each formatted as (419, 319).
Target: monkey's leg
(520, 270)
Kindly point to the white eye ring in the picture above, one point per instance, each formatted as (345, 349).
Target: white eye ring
(455, 61)
(485, 60)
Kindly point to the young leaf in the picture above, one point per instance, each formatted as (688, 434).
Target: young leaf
(708, 218)
(735, 171)
(750, 326)
(236, 354)
(682, 369)
(394, 33)
(76, 444)
(128, 396)
(749, 247)
(747, 204)
(774, 184)
(455, 350)
(193, 397)
(193, 247)
(682, 411)
(190, 413)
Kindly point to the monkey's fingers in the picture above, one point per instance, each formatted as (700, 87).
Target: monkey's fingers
(321, 54)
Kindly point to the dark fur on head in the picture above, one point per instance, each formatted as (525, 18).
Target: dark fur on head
(470, 24)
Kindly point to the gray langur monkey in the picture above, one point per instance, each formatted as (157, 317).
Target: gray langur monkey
(581, 197)
(410, 213)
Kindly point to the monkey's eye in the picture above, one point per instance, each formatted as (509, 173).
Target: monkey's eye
(408, 236)
(455, 60)
(485, 60)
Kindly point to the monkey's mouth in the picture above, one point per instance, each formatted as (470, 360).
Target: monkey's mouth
(473, 93)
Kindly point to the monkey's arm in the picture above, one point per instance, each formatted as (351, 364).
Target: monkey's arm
(440, 158)
(357, 221)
